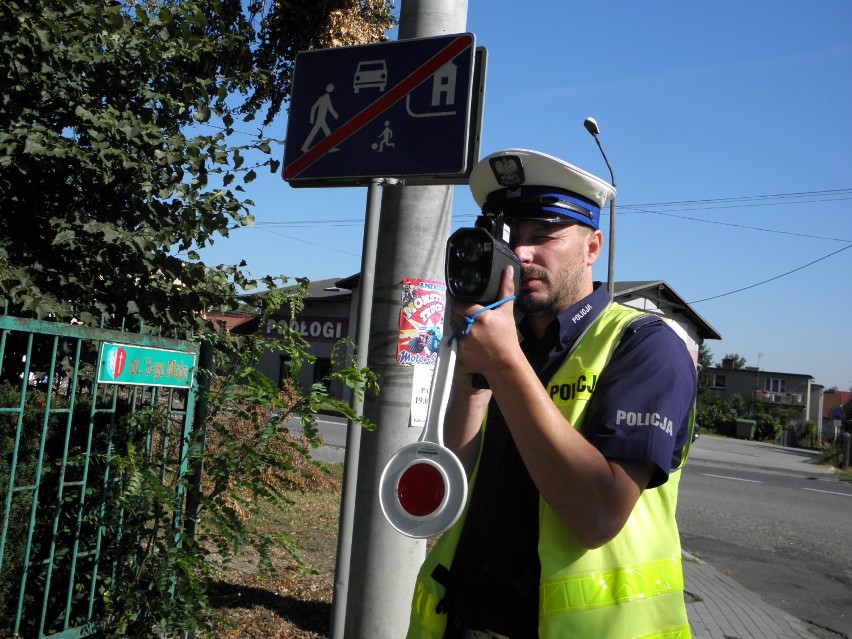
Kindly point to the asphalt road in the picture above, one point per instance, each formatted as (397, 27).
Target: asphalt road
(775, 522)
(333, 431)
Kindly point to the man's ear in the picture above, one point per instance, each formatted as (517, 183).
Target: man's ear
(595, 246)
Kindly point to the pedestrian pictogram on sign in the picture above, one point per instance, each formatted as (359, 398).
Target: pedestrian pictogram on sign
(321, 109)
(395, 109)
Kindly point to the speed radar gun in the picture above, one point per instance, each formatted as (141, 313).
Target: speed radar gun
(476, 258)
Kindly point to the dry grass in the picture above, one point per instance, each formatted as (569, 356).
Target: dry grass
(296, 603)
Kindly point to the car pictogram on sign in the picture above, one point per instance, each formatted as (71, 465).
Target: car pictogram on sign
(370, 73)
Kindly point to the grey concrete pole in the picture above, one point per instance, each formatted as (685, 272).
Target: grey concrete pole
(414, 226)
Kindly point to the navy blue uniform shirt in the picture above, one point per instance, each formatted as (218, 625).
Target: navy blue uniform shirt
(648, 386)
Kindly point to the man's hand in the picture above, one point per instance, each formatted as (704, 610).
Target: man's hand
(492, 339)
(467, 407)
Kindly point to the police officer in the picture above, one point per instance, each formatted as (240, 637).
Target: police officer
(574, 444)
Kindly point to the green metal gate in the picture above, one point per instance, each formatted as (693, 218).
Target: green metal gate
(74, 402)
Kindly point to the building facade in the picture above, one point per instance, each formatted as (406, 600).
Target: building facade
(791, 395)
(658, 298)
(330, 314)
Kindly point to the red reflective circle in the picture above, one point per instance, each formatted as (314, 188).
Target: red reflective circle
(420, 489)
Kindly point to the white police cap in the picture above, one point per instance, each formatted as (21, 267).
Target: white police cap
(523, 184)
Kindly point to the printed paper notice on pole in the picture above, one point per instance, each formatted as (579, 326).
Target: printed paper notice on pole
(421, 321)
(420, 395)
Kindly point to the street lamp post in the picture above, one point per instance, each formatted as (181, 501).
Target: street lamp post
(592, 127)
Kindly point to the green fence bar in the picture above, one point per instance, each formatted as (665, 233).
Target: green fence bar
(68, 394)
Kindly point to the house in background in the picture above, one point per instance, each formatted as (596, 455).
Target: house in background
(795, 393)
(832, 411)
(324, 320)
(658, 298)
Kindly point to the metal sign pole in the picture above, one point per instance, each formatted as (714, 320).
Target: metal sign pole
(353, 431)
(414, 227)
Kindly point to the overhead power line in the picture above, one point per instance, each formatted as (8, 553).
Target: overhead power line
(352, 221)
(296, 239)
(819, 197)
(751, 228)
(744, 198)
(771, 279)
(778, 199)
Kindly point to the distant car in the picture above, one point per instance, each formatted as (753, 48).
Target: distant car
(371, 73)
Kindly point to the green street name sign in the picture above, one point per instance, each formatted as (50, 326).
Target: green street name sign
(127, 364)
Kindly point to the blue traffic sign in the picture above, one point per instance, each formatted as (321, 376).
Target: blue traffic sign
(394, 109)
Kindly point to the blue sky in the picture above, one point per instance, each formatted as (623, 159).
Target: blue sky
(727, 125)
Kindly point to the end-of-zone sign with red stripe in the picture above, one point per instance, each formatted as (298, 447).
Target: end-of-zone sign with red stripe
(394, 109)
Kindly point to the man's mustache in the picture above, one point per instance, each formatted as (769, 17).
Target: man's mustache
(535, 272)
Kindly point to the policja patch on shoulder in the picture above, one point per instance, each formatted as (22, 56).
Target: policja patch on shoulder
(524, 184)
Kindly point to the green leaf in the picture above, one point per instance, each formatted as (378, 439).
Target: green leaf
(64, 237)
(201, 114)
(113, 19)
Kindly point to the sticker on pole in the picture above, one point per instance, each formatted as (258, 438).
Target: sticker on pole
(421, 317)
(420, 382)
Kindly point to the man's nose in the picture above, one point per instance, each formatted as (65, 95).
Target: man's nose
(523, 252)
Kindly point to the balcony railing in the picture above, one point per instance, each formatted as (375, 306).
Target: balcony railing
(780, 399)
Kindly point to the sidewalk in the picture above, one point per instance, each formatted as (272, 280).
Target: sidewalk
(720, 608)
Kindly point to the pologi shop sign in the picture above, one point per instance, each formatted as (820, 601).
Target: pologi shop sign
(144, 366)
(314, 329)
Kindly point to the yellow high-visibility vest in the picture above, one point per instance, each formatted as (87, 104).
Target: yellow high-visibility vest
(629, 588)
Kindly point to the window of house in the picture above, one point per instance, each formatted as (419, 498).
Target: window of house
(720, 381)
(285, 369)
(322, 368)
(775, 385)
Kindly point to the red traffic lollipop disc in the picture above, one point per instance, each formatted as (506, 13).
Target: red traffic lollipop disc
(420, 489)
(423, 490)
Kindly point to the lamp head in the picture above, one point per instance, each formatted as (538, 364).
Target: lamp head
(592, 126)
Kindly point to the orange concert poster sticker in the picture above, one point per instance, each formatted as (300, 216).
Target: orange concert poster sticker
(421, 321)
